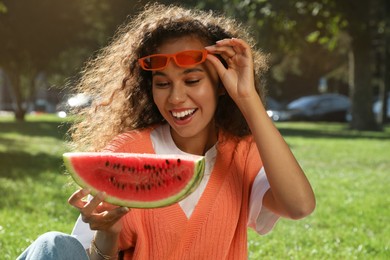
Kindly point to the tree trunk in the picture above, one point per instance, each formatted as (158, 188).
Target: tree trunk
(385, 118)
(361, 89)
(386, 66)
(361, 83)
(20, 111)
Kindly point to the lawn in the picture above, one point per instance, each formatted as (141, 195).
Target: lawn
(349, 172)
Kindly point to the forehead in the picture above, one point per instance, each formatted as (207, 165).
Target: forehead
(181, 44)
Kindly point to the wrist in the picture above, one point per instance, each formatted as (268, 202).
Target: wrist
(250, 105)
(95, 252)
(104, 245)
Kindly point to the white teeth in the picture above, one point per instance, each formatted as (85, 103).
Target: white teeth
(183, 113)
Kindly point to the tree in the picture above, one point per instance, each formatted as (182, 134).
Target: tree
(296, 28)
(35, 34)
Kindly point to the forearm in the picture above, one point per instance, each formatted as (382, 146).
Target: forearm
(104, 244)
(291, 194)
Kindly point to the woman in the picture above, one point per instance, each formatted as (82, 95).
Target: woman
(185, 81)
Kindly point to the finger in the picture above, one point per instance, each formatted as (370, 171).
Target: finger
(93, 203)
(106, 219)
(226, 52)
(239, 46)
(76, 198)
(115, 214)
(106, 206)
(219, 67)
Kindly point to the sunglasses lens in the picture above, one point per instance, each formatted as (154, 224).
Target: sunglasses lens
(189, 58)
(182, 59)
(154, 62)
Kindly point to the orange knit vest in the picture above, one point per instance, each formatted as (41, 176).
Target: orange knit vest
(217, 228)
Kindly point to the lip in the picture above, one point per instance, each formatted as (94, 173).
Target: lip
(182, 121)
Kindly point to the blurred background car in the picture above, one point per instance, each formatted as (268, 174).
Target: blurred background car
(275, 110)
(324, 107)
(377, 108)
(77, 101)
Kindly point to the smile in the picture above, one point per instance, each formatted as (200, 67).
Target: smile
(183, 114)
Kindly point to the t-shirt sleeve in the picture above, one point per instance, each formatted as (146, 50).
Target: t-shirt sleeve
(83, 233)
(260, 218)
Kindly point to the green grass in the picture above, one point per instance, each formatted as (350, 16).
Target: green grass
(349, 172)
(33, 185)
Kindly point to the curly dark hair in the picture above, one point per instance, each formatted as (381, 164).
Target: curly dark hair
(122, 91)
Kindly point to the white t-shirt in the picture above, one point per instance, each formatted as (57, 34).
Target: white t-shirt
(260, 218)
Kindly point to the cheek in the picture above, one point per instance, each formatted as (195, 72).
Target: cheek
(208, 94)
(157, 98)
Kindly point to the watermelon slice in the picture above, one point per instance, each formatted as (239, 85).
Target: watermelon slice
(137, 180)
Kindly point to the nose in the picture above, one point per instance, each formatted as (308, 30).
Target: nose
(178, 94)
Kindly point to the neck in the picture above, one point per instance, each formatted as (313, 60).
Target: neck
(198, 144)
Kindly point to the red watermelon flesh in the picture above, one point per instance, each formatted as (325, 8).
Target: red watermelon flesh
(137, 180)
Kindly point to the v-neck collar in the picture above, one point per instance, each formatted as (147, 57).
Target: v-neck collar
(163, 144)
(207, 200)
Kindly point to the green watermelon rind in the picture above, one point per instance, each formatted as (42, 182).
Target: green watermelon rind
(185, 192)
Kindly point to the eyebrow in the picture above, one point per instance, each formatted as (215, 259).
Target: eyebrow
(159, 73)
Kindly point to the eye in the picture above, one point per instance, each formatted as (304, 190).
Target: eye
(192, 81)
(162, 84)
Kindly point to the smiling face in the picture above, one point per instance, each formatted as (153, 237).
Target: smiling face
(187, 97)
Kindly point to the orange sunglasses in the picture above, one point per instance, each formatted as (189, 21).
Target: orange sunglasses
(183, 59)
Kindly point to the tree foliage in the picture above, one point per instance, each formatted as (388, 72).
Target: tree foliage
(306, 39)
(43, 35)
(310, 39)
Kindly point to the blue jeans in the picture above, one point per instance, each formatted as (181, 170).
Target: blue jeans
(55, 245)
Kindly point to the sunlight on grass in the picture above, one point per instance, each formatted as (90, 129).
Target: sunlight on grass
(33, 183)
(349, 171)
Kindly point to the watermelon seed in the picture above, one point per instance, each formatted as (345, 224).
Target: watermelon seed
(167, 162)
(123, 168)
(107, 163)
(178, 161)
(178, 177)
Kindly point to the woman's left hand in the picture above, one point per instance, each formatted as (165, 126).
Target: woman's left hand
(238, 78)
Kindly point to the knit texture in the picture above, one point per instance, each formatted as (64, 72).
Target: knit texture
(217, 229)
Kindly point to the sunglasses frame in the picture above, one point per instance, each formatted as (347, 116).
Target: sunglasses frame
(141, 61)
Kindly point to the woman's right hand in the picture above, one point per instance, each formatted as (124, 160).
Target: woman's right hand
(100, 215)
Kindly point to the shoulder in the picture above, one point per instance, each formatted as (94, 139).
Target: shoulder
(240, 145)
(135, 141)
(243, 152)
